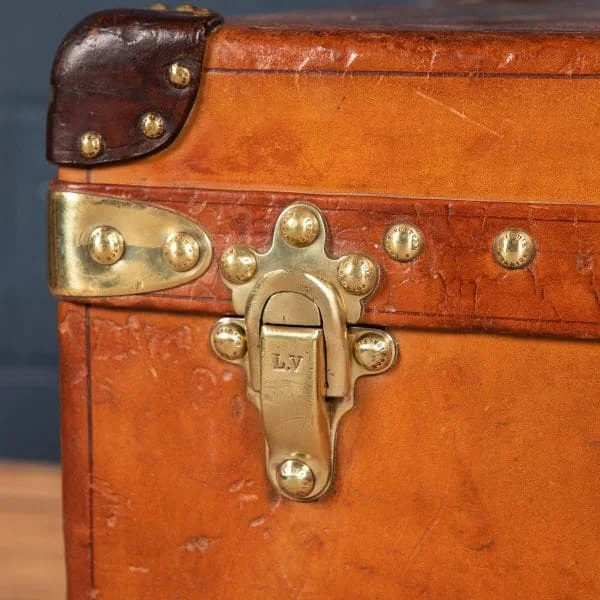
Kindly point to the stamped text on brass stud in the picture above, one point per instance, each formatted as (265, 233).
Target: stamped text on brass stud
(106, 245)
(357, 274)
(404, 242)
(295, 478)
(238, 264)
(374, 351)
(299, 226)
(153, 125)
(513, 249)
(181, 251)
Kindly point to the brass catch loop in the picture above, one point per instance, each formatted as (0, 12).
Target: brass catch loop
(295, 342)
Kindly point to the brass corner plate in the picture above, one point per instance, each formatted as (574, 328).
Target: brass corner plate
(101, 246)
(296, 342)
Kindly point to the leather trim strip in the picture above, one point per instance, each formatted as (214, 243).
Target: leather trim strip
(455, 284)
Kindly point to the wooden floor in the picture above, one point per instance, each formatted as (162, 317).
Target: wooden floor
(31, 553)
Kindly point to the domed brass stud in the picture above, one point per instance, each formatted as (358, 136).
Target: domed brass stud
(153, 125)
(106, 245)
(179, 75)
(238, 264)
(181, 251)
(513, 249)
(373, 351)
(404, 242)
(91, 144)
(229, 341)
(199, 12)
(299, 226)
(357, 274)
(295, 479)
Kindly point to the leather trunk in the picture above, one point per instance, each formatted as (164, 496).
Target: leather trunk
(452, 152)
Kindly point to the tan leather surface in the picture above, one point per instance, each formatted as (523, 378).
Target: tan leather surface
(423, 115)
(254, 44)
(76, 444)
(469, 471)
(455, 284)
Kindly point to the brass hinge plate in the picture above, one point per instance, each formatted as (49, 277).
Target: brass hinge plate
(102, 246)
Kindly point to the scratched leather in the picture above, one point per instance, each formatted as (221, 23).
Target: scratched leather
(455, 284)
(469, 471)
(437, 114)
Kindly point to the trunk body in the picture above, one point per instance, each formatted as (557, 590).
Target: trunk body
(470, 468)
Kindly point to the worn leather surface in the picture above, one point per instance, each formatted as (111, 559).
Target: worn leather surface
(111, 70)
(455, 283)
(76, 442)
(469, 471)
(521, 137)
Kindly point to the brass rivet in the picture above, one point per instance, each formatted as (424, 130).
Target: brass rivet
(295, 478)
(153, 125)
(204, 12)
(106, 245)
(404, 242)
(238, 264)
(357, 274)
(229, 341)
(179, 75)
(91, 144)
(159, 6)
(198, 12)
(513, 249)
(299, 226)
(181, 251)
(373, 352)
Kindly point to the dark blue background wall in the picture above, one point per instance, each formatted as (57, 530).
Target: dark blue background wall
(31, 32)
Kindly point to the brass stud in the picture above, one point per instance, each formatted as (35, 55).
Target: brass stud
(91, 144)
(357, 274)
(295, 478)
(238, 264)
(181, 251)
(513, 249)
(229, 341)
(106, 245)
(188, 8)
(404, 242)
(179, 75)
(372, 351)
(159, 6)
(299, 226)
(153, 125)
(198, 12)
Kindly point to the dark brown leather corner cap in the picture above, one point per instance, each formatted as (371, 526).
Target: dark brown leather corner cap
(111, 70)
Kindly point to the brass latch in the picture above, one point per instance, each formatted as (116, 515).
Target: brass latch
(300, 355)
